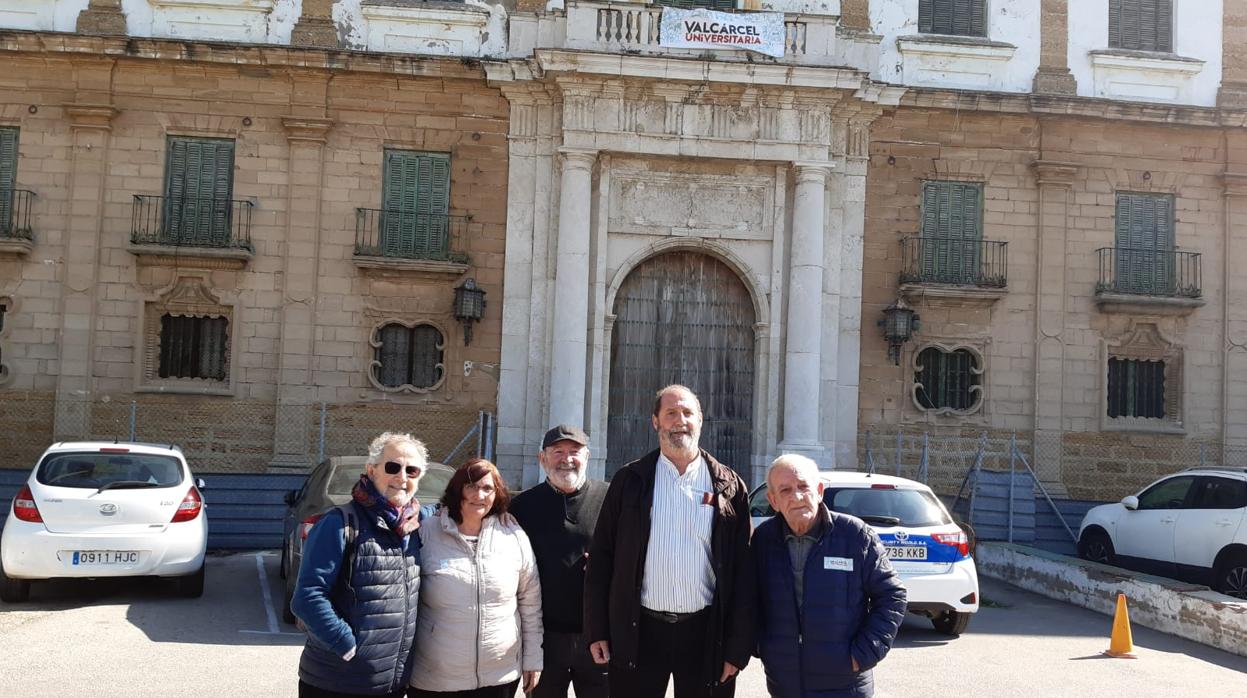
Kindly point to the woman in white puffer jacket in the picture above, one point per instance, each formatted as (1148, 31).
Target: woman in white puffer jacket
(478, 630)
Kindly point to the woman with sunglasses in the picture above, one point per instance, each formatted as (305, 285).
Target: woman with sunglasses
(479, 633)
(357, 592)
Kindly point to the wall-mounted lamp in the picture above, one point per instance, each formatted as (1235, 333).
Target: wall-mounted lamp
(469, 306)
(899, 324)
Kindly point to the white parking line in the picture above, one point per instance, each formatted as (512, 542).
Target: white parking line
(270, 614)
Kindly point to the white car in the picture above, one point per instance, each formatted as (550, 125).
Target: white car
(1189, 525)
(930, 552)
(105, 509)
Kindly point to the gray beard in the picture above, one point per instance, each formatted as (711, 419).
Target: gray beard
(559, 480)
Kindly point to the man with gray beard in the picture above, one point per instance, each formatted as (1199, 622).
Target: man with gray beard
(559, 516)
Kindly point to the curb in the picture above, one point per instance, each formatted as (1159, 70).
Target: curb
(1190, 611)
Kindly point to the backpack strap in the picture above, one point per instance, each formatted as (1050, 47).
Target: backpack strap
(350, 530)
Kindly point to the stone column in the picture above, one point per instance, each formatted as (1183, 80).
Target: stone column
(91, 125)
(802, 359)
(1053, 76)
(315, 27)
(102, 17)
(1055, 180)
(306, 133)
(1234, 359)
(1233, 93)
(570, 320)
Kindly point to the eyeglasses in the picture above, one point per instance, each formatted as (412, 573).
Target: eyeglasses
(392, 468)
(483, 489)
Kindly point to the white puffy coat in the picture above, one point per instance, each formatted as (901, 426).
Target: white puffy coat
(479, 622)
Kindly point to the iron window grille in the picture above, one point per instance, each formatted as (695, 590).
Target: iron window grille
(947, 379)
(408, 357)
(1136, 388)
(193, 347)
(953, 17)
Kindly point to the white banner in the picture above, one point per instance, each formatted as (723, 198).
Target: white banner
(762, 32)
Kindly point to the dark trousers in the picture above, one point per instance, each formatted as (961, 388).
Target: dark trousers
(307, 690)
(505, 690)
(567, 660)
(671, 650)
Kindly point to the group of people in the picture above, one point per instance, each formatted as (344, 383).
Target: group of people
(614, 590)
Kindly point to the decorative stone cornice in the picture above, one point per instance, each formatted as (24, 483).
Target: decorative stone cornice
(1055, 173)
(306, 129)
(96, 116)
(1235, 183)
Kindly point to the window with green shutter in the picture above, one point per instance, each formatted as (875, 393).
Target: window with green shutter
(955, 17)
(952, 232)
(8, 177)
(1141, 25)
(193, 347)
(408, 357)
(1144, 259)
(415, 205)
(199, 182)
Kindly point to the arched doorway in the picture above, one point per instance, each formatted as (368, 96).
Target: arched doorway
(682, 317)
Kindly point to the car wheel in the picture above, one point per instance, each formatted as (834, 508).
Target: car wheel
(192, 585)
(1232, 576)
(13, 590)
(287, 615)
(950, 622)
(1096, 546)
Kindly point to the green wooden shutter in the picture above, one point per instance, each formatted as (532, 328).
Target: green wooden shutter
(951, 232)
(415, 199)
(1141, 25)
(1144, 231)
(8, 178)
(957, 17)
(198, 186)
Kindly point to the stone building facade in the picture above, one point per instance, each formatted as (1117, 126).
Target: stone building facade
(308, 298)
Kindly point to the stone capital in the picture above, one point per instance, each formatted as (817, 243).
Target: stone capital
(577, 158)
(92, 116)
(1053, 173)
(305, 129)
(814, 172)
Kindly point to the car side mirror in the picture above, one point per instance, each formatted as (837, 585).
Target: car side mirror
(199, 482)
(1131, 502)
(291, 497)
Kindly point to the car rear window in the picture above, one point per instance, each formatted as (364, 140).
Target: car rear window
(910, 507)
(344, 478)
(96, 470)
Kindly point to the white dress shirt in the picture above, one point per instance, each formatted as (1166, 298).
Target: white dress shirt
(679, 577)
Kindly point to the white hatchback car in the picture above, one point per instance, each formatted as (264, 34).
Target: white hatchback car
(929, 552)
(1190, 525)
(105, 509)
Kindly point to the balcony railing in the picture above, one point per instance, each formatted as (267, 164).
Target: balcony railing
(1144, 272)
(15, 207)
(191, 222)
(410, 235)
(932, 260)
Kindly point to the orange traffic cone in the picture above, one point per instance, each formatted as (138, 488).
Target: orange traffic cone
(1121, 644)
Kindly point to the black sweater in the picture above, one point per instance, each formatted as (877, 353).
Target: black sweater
(560, 528)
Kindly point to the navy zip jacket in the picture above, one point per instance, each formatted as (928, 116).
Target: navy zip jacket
(853, 602)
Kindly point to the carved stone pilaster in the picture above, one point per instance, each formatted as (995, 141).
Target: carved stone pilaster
(102, 17)
(1053, 76)
(315, 28)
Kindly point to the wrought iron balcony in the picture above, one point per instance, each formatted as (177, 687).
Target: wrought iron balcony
(933, 260)
(1144, 272)
(191, 222)
(15, 207)
(410, 235)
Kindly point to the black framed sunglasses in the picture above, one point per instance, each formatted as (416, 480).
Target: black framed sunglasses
(392, 468)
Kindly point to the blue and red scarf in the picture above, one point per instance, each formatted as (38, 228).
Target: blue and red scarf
(401, 521)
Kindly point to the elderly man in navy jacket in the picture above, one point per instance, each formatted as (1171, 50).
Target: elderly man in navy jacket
(829, 602)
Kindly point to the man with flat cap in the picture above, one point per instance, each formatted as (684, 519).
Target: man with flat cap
(559, 516)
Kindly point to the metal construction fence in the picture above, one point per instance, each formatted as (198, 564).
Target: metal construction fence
(239, 436)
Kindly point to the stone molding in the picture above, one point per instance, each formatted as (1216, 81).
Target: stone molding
(952, 296)
(409, 266)
(1167, 77)
(1235, 183)
(577, 158)
(1126, 303)
(91, 116)
(209, 258)
(15, 247)
(1055, 173)
(306, 129)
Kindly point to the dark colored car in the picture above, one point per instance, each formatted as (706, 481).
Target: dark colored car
(328, 485)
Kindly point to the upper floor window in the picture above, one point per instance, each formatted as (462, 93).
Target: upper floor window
(947, 380)
(193, 347)
(1141, 25)
(956, 17)
(952, 232)
(199, 182)
(408, 357)
(720, 5)
(1144, 236)
(8, 177)
(415, 202)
